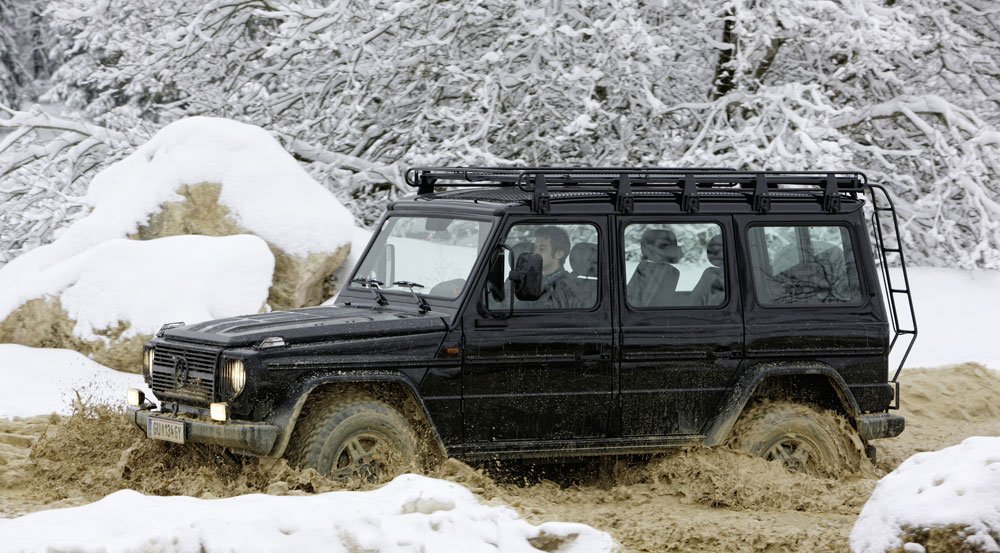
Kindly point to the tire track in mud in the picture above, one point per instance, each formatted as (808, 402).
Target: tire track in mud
(694, 499)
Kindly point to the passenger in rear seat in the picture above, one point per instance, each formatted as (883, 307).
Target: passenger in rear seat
(655, 279)
(711, 287)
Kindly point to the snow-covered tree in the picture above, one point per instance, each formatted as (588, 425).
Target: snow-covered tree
(905, 90)
(35, 39)
(11, 72)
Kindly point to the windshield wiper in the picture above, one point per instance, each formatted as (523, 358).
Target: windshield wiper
(421, 302)
(372, 284)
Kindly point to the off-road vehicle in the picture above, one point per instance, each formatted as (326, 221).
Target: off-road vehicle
(558, 312)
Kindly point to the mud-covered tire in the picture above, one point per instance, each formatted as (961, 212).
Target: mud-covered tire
(354, 436)
(801, 437)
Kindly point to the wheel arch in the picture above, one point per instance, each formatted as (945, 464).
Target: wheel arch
(389, 386)
(814, 383)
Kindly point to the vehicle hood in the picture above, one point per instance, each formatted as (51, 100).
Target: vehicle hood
(307, 325)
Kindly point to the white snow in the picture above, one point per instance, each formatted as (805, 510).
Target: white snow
(39, 381)
(956, 316)
(957, 485)
(265, 189)
(148, 283)
(410, 514)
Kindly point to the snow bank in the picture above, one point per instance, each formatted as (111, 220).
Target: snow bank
(956, 314)
(147, 283)
(265, 190)
(411, 513)
(40, 381)
(957, 486)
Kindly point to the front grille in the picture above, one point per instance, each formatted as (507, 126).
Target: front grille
(185, 373)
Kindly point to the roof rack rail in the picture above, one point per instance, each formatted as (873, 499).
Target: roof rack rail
(686, 184)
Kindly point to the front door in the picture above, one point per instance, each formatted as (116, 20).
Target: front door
(542, 370)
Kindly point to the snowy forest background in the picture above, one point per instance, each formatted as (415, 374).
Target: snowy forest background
(907, 91)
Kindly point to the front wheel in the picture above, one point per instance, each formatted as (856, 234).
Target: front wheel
(801, 437)
(354, 437)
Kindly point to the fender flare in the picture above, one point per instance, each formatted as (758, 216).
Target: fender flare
(286, 413)
(748, 382)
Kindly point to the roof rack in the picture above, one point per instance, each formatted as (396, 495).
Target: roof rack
(686, 184)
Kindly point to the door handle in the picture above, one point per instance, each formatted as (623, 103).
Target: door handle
(594, 357)
(491, 323)
(723, 353)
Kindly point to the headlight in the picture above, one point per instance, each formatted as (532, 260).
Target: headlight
(233, 377)
(148, 356)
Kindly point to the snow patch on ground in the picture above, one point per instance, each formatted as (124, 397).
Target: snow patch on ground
(148, 283)
(38, 381)
(956, 314)
(411, 513)
(958, 485)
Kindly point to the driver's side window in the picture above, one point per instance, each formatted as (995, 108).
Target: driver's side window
(570, 270)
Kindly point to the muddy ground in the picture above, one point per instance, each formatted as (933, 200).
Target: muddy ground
(693, 500)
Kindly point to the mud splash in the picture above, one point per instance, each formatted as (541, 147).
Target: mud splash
(694, 499)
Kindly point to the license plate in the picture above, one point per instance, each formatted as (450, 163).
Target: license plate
(165, 429)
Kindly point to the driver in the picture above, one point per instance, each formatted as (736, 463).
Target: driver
(552, 244)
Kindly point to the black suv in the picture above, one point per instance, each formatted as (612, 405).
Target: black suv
(555, 312)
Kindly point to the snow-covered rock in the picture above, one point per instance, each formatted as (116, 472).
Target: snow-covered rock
(411, 513)
(107, 300)
(299, 280)
(947, 500)
(197, 176)
(204, 175)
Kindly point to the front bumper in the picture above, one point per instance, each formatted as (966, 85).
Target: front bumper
(256, 438)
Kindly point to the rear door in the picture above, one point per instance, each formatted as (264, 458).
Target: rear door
(682, 326)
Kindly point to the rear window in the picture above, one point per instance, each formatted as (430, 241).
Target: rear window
(803, 265)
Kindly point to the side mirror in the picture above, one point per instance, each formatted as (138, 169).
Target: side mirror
(495, 279)
(526, 278)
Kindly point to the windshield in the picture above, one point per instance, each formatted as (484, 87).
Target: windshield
(436, 253)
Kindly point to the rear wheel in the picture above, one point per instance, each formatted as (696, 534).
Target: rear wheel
(801, 437)
(355, 436)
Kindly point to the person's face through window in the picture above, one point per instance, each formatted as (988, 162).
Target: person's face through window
(551, 260)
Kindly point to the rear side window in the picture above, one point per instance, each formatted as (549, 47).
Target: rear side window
(803, 265)
(674, 265)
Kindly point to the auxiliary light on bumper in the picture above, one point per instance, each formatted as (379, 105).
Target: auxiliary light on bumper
(219, 411)
(135, 397)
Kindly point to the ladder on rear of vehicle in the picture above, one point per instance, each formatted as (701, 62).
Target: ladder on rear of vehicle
(893, 287)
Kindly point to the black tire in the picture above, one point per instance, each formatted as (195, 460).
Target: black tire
(801, 437)
(354, 436)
